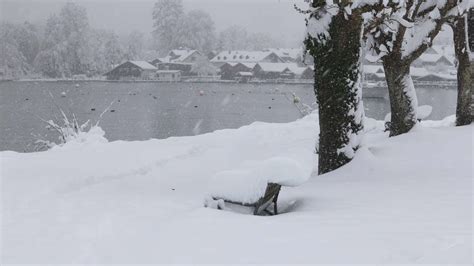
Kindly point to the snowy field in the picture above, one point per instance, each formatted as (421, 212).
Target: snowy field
(401, 200)
(155, 108)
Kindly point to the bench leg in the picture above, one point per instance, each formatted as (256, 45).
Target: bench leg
(275, 206)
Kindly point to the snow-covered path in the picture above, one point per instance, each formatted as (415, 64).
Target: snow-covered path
(402, 200)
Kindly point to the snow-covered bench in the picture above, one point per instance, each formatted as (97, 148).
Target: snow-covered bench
(256, 185)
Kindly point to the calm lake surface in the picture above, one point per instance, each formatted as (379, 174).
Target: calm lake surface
(144, 110)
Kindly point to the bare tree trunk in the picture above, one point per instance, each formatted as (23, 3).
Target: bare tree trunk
(463, 107)
(403, 100)
(338, 90)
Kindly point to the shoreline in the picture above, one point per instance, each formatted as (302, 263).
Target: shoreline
(369, 84)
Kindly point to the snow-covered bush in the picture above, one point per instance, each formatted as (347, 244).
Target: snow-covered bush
(70, 130)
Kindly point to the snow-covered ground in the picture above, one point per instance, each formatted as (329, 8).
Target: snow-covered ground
(401, 200)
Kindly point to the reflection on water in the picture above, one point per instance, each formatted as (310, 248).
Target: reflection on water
(160, 110)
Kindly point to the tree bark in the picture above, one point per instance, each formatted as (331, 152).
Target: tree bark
(463, 107)
(403, 101)
(338, 90)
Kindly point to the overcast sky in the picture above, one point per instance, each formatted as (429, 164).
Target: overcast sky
(276, 17)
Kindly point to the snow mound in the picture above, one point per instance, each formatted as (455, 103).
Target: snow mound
(248, 183)
(422, 112)
(95, 135)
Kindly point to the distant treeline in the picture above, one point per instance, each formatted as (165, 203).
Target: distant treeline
(66, 45)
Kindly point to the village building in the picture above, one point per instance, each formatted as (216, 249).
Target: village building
(228, 71)
(179, 56)
(182, 60)
(269, 71)
(168, 75)
(434, 60)
(243, 77)
(132, 70)
(184, 68)
(374, 73)
(245, 57)
(306, 72)
(291, 55)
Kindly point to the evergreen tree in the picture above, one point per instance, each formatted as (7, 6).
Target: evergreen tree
(335, 43)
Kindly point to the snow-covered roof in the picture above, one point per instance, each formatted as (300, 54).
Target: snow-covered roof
(241, 56)
(437, 76)
(435, 58)
(176, 55)
(444, 49)
(418, 72)
(297, 69)
(372, 58)
(168, 71)
(373, 69)
(430, 58)
(249, 65)
(293, 53)
(144, 65)
(277, 67)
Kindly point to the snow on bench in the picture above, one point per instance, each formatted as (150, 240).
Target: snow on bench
(256, 185)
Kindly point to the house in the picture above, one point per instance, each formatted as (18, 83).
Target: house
(288, 55)
(308, 73)
(301, 72)
(266, 71)
(245, 57)
(436, 77)
(156, 62)
(374, 72)
(419, 72)
(243, 77)
(132, 70)
(438, 59)
(180, 56)
(168, 75)
(185, 68)
(228, 71)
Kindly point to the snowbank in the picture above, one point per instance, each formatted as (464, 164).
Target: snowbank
(401, 200)
(94, 136)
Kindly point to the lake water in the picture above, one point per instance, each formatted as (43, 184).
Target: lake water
(144, 110)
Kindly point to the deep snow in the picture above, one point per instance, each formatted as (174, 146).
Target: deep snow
(401, 200)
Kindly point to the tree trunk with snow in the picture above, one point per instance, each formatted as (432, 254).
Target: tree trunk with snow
(403, 101)
(400, 33)
(463, 108)
(338, 89)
